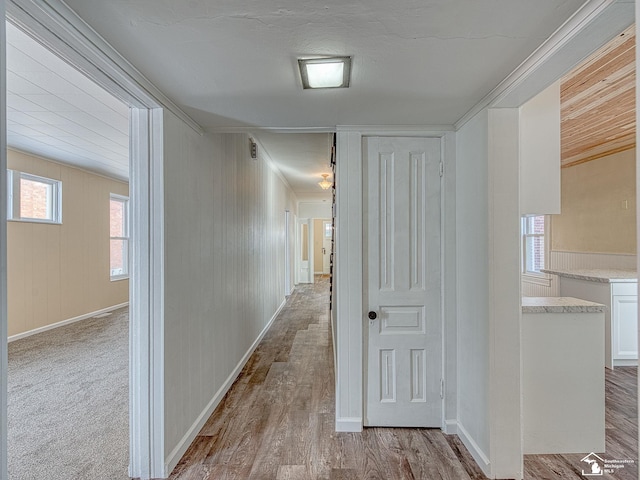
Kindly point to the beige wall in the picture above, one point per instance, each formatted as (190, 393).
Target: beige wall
(59, 272)
(598, 207)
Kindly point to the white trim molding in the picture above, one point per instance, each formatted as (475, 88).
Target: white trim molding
(146, 330)
(476, 452)
(567, 32)
(182, 446)
(349, 424)
(3, 250)
(68, 321)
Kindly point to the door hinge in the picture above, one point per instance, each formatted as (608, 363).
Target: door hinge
(441, 169)
(442, 388)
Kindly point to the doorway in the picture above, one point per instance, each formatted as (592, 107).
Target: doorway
(65, 34)
(402, 281)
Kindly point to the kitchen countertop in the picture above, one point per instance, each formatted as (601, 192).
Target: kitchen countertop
(602, 275)
(560, 305)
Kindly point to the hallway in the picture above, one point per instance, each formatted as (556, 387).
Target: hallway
(277, 420)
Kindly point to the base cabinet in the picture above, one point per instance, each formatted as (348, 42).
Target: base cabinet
(621, 318)
(624, 312)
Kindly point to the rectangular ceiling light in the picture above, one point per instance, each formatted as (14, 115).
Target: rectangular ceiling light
(327, 72)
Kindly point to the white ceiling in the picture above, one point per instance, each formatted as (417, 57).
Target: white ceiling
(233, 63)
(302, 158)
(56, 112)
(415, 62)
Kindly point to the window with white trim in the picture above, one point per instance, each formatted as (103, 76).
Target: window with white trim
(118, 236)
(32, 198)
(533, 244)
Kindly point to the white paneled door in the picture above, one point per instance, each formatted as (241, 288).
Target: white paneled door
(327, 234)
(305, 250)
(402, 275)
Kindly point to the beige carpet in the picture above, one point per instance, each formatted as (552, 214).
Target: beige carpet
(68, 402)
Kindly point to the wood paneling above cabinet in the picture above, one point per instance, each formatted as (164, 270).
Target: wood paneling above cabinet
(598, 103)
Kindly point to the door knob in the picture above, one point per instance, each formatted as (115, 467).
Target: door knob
(373, 315)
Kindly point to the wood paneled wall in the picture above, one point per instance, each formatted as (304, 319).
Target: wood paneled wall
(224, 268)
(59, 272)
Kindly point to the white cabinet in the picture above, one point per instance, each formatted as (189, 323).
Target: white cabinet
(621, 318)
(624, 312)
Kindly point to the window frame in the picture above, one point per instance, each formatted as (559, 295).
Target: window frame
(532, 276)
(14, 198)
(126, 227)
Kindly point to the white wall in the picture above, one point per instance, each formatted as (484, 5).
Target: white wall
(472, 273)
(488, 295)
(314, 209)
(540, 153)
(224, 269)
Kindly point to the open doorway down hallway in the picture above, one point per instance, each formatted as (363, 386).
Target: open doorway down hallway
(277, 421)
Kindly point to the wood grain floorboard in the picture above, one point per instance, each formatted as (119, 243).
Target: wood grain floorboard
(277, 420)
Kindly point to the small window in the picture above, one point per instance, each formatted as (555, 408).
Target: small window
(33, 199)
(119, 236)
(328, 230)
(533, 244)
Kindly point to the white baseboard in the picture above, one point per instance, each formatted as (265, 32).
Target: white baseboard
(450, 427)
(62, 323)
(174, 457)
(349, 424)
(476, 452)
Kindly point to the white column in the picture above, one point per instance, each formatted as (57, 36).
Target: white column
(348, 271)
(504, 295)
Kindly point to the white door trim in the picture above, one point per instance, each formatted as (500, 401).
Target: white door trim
(146, 345)
(348, 266)
(401, 296)
(58, 28)
(3, 251)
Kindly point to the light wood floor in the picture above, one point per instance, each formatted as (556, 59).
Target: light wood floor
(277, 420)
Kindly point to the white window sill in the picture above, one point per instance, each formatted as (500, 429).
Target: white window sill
(117, 278)
(33, 220)
(537, 279)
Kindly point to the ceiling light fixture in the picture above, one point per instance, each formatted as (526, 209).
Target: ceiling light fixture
(327, 72)
(325, 184)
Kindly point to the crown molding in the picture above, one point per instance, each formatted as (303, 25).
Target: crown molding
(403, 130)
(566, 32)
(257, 129)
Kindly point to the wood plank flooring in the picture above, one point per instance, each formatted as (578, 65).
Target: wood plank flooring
(621, 423)
(277, 420)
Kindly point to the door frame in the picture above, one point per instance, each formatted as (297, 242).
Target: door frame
(59, 29)
(327, 251)
(299, 224)
(348, 271)
(365, 271)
